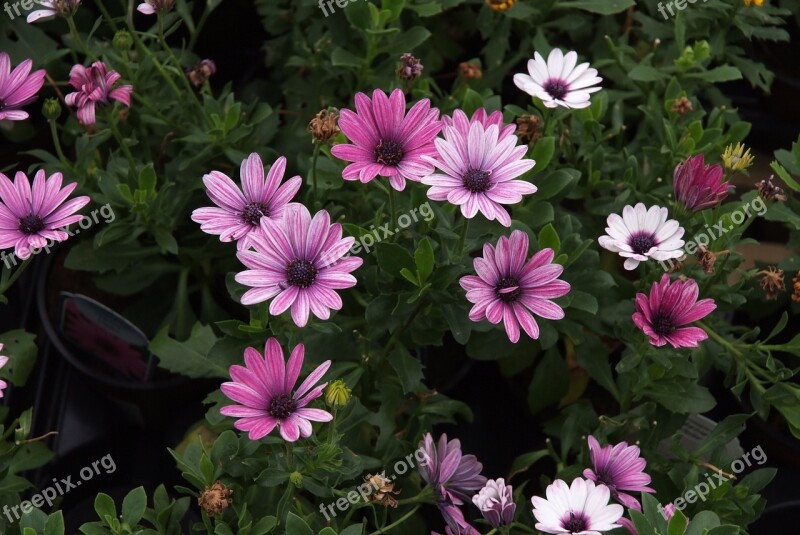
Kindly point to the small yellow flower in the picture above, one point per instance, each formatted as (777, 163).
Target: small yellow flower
(736, 158)
(757, 3)
(337, 394)
(503, 5)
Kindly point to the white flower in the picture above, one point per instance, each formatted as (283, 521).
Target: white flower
(558, 82)
(641, 234)
(580, 509)
(53, 8)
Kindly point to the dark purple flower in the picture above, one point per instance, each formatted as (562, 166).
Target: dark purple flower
(619, 468)
(454, 477)
(699, 186)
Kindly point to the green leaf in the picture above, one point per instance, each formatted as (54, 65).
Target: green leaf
(684, 398)
(677, 524)
(550, 381)
(542, 153)
(265, 525)
(54, 524)
(20, 348)
(726, 73)
(646, 73)
(147, 178)
(601, 7)
(525, 461)
(408, 368)
(344, 58)
(472, 101)
(458, 320)
(189, 358)
(424, 259)
(297, 526)
(357, 529)
(104, 506)
(133, 506)
(784, 175)
(548, 238)
(392, 258)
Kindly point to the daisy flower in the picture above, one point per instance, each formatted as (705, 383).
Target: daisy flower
(454, 518)
(94, 88)
(496, 503)
(63, 8)
(151, 7)
(3, 362)
(387, 141)
(298, 262)
(453, 476)
(581, 509)
(18, 88)
(511, 290)
(263, 390)
(670, 307)
(32, 217)
(619, 468)
(641, 234)
(699, 186)
(239, 212)
(460, 122)
(557, 81)
(479, 166)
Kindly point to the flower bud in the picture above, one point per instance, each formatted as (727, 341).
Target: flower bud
(51, 109)
(296, 478)
(337, 394)
(122, 40)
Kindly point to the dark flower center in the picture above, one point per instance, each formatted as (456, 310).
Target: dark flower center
(641, 243)
(301, 273)
(574, 524)
(2, 104)
(388, 152)
(254, 211)
(556, 88)
(282, 407)
(663, 325)
(476, 181)
(31, 224)
(504, 284)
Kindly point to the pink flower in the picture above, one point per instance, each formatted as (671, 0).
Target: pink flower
(94, 87)
(664, 314)
(17, 88)
(460, 122)
(34, 217)
(386, 141)
(263, 390)
(699, 186)
(3, 362)
(151, 7)
(64, 8)
(510, 290)
(479, 165)
(619, 468)
(238, 213)
(298, 261)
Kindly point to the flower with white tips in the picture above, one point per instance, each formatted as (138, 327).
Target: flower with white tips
(579, 509)
(559, 81)
(641, 234)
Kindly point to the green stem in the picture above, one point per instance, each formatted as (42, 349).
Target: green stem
(112, 124)
(398, 521)
(391, 205)
(462, 239)
(73, 30)
(314, 158)
(738, 356)
(163, 40)
(57, 143)
(13, 278)
(159, 67)
(199, 27)
(106, 14)
(400, 330)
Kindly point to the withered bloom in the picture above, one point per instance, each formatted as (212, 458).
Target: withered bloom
(770, 191)
(215, 499)
(201, 72)
(772, 282)
(682, 106)
(384, 490)
(410, 69)
(796, 288)
(324, 126)
(707, 258)
(529, 128)
(470, 71)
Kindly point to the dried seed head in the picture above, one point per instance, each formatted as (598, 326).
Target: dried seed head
(682, 106)
(529, 128)
(410, 68)
(470, 71)
(770, 191)
(215, 499)
(324, 126)
(772, 282)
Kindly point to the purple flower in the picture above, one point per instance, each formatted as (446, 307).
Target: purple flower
(17, 88)
(511, 290)
(619, 468)
(151, 7)
(33, 217)
(453, 476)
(460, 122)
(3, 362)
(64, 8)
(298, 261)
(699, 186)
(94, 88)
(557, 81)
(386, 141)
(263, 390)
(238, 213)
(456, 523)
(496, 502)
(664, 314)
(479, 165)
(580, 509)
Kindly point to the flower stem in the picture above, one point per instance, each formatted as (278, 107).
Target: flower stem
(391, 204)
(106, 14)
(73, 30)
(112, 124)
(315, 157)
(462, 238)
(7, 283)
(398, 521)
(57, 143)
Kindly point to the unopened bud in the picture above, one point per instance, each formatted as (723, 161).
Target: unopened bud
(51, 109)
(122, 40)
(337, 394)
